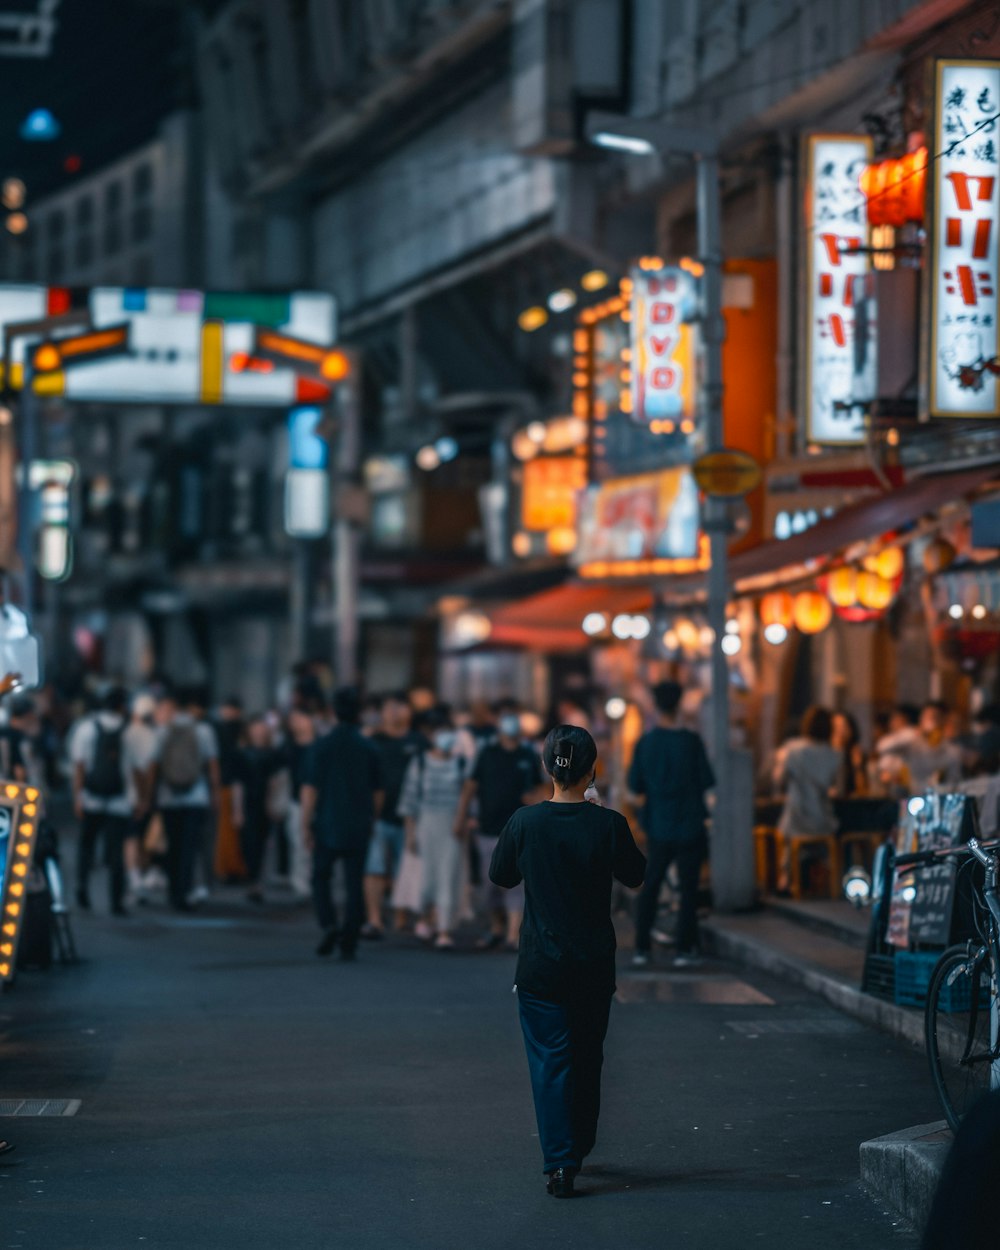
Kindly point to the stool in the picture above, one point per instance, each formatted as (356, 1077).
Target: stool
(798, 842)
(872, 839)
(765, 857)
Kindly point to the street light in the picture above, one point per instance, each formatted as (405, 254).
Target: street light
(732, 866)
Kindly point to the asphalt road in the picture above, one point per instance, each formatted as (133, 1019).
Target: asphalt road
(236, 1091)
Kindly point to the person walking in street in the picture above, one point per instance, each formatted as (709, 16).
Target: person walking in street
(229, 729)
(507, 775)
(257, 765)
(428, 804)
(397, 745)
(186, 782)
(668, 778)
(341, 798)
(107, 782)
(300, 734)
(567, 852)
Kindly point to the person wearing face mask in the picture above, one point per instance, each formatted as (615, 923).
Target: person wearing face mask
(566, 852)
(428, 804)
(506, 776)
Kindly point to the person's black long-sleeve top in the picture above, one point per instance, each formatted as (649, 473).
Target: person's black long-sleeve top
(567, 854)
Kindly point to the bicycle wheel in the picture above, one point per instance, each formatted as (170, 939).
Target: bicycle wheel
(957, 1026)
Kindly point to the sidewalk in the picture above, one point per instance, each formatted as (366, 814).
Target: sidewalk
(820, 946)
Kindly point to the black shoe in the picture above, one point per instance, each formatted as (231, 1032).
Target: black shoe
(372, 933)
(560, 1183)
(121, 912)
(329, 942)
(348, 955)
(83, 900)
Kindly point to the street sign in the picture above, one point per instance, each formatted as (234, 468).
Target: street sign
(728, 473)
(324, 363)
(79, 348)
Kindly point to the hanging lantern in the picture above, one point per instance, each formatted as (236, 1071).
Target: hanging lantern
(875, 592)
(841, 586)
(939, 555)
(811, 612)
(888, 563)
(688, 634)
(777, 608)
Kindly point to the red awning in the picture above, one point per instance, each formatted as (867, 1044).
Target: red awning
(552, 620)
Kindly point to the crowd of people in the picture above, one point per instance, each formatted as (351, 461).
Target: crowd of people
(400, 795)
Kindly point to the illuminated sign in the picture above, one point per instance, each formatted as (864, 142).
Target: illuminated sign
(307, 482)
(549, 489)
(643, 524)
(184, 347)
(962, 365)
(837, 236)
(662, 365)
(19, 817)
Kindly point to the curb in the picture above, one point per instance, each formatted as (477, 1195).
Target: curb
(899, 1022)
(903, 1169)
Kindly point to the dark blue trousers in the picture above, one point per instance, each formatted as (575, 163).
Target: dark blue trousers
(565, 1047)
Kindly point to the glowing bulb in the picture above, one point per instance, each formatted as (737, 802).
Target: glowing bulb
(979, 611)
(775, 634)
(731, 644)
(594, 280)
(615, 708)
(594, 623)
(956, 611)
(428, 458)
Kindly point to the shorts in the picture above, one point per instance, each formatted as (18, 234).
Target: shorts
(385, 850)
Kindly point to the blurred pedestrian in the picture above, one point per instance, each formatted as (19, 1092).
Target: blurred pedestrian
(186, 777)
(963, 1215)
(228, 864)
(807, 769)
(669, 777)
(506, 775)
(429, 804)
(257, 766)
(567, 852)
(106, 785)
(140, 745)
(397, 745)
(300, 734)
(341, 797)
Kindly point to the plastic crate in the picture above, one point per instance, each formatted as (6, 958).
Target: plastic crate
(914, 970)
(880, 976)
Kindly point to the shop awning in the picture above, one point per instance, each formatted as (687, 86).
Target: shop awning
(841, 538)
(551, 621)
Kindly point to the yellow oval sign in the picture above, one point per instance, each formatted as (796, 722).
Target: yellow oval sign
(728, 473)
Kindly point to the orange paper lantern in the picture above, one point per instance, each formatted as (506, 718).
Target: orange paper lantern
(842, 587)
(874, 592)
(811, 612)
(777, 609)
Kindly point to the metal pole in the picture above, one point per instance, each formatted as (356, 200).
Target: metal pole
(347, 535)
(26, 497)
(731, 848)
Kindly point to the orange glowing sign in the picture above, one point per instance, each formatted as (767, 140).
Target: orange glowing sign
(896, 189)
(549, 492)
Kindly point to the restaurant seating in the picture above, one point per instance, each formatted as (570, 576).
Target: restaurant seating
(797, 843)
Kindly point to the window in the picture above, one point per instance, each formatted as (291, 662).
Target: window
(142, 223)
(142, 181)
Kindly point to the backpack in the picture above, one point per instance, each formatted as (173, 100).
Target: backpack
(180, 758)
(106, 776)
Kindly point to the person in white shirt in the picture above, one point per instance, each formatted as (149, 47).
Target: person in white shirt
(106, 783)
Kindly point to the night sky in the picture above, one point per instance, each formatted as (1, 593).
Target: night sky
(116, 68)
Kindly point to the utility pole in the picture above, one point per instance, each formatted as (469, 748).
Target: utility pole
(348, 501)
(731, 847)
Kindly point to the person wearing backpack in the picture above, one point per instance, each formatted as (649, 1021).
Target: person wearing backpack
(186, 778)
(106, 783)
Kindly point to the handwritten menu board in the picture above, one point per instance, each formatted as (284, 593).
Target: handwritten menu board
(923, 900)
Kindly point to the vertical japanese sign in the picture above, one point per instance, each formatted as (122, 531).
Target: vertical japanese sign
(963, 363)
(664, 302)
(837, 264)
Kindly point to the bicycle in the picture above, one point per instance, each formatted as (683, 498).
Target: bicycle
(962, 1013)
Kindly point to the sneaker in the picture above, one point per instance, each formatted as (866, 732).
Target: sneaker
(423, 931)
(199, 894)
(640, 959)
(663, 939)
(444, 942)
(372, 932)
(687, 959)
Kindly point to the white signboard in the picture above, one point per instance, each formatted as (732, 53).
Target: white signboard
(836, 238)
(963, 364)
(664, 302)
(185, 347)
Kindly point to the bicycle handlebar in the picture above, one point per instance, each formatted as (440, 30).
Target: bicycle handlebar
(917, 859)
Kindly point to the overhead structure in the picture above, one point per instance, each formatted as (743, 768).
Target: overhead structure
(29, 33)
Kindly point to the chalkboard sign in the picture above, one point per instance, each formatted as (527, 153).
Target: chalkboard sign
(923, 900)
